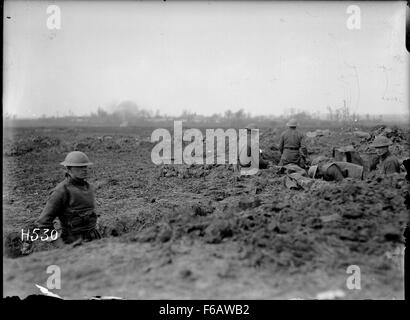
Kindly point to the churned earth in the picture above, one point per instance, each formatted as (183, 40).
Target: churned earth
(203, 231)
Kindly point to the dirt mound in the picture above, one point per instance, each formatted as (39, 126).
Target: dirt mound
(292, 237)
(37, 143)
(395, 134)
(161, 232)
(32, 144)
(186, 171)
(297, 234)
(107, 143)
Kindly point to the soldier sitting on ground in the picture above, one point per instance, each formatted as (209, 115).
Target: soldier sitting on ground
(73, 202)
(292, 146)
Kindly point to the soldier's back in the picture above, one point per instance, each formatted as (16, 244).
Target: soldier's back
(292, 138)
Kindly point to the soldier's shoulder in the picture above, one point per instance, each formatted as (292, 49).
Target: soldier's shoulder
(61, 186)
(392, 158)
(59, 190)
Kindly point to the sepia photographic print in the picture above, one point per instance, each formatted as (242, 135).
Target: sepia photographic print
(228, 150)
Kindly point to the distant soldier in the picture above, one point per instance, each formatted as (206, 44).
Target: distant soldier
(245, 152)
(386, 163)
(73, 202)
(292, 146)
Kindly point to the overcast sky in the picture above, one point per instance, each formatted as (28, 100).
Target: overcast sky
(206, 57)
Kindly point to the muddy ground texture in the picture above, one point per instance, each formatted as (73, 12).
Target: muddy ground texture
(204, 231)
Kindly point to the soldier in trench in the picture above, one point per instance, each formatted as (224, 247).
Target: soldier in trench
(72, 201)
(385, 163)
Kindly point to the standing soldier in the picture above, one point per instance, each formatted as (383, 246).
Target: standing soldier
(292, 146)
(73, 202)
(386, 162)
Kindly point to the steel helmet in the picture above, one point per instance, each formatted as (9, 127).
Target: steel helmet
(76, 159)
(381, 141)
(292, 123)
(312, 171)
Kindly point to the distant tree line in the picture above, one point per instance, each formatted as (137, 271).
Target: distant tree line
(128, 113)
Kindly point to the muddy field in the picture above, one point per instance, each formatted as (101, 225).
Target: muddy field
(201, 232)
